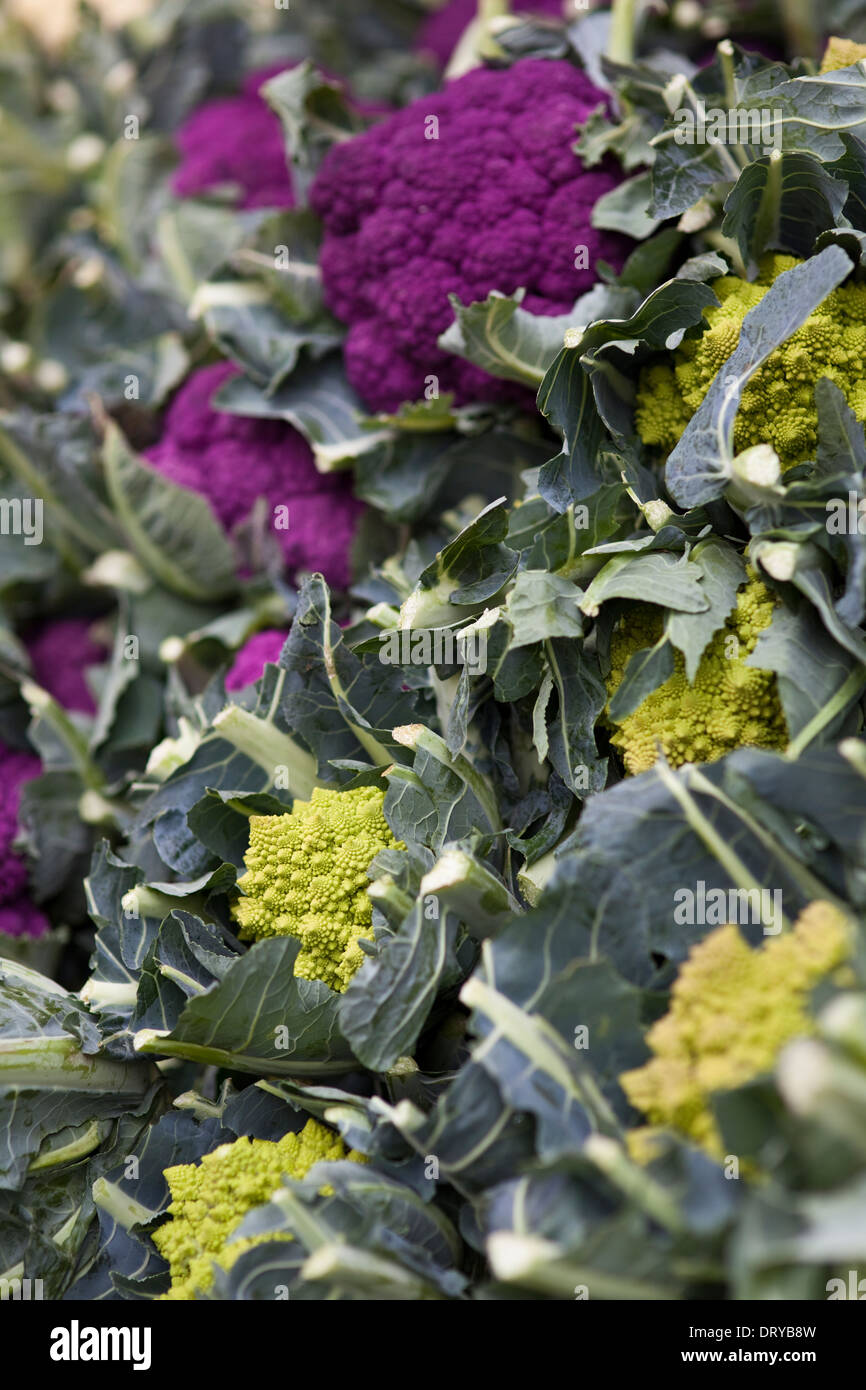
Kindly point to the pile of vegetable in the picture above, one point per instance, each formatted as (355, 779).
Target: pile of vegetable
(433, 650)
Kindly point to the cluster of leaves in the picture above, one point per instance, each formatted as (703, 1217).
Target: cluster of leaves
(532, 905)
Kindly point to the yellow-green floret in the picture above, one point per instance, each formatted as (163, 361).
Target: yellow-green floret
(777, 406)
(307, 877)
(731, 705)
(209, 1200)
(841, 53)
(732, 1011)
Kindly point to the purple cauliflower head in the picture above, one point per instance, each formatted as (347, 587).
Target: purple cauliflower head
(237, 140)
(250, 661)
(232, 461)
(441, 31)
(59, 652)
(18, 915)
(497, 200)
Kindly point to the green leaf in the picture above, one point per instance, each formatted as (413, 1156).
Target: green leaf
(645, 672)
(528, 1012)
(314, 115)
(172, 531)
(387, 1002)
(782, 202)
(248, 327)
(819, 111)
(811, 668)
(22, 560)
(661, 578)
(221, 820)
(55, 457)
(841, 439)
(45, 1075)
(477, 1137)
(722, 574)
(468, 572)
(337, 702)
(851, 168)
(318, 400)
(624, 208)
(647, 263)
(541, 605)
(195, 238)
(503, 339)
(126, 1204)
(260, 1018)
(403, 474)
(566, 399)
(582, 697)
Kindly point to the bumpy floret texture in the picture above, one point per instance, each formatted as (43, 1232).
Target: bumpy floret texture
(498, 201)
(841, 53)
(777, 405)
(60, 652)
(731, 705)
(307, 877)
(236, 141)
(733, 1009)
(18, 915)
(250, 661)
(441, 31)
(209, 1200)
(232, 461)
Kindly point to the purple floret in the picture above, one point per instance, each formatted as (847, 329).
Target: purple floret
(237, 140)
(59, 653)
(498, 202)
(18, 915)
(232, 461)
(441, 32)
(251, 659)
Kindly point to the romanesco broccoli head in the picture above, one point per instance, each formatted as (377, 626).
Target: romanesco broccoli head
(777, 405)
(307, 877)
(732, 1011)
(731, 705)
(209, 1200)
